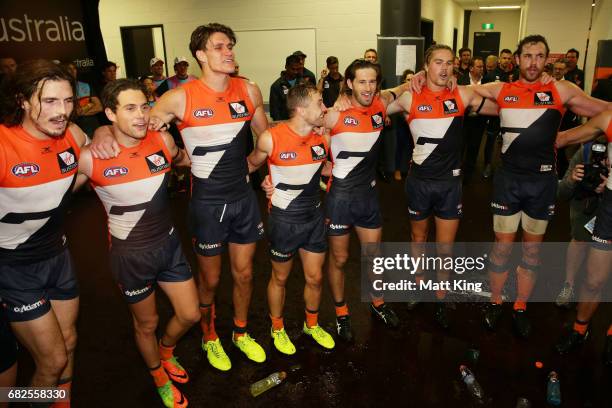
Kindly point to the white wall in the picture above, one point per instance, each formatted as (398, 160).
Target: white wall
(446, 15)
(564, 23)
(505, 21)
(601, 30)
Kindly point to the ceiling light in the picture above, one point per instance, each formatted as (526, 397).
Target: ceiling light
(498, 7)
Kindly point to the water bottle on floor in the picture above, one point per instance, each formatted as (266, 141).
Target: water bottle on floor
(553, 389)
(470, 381)
(270, 381)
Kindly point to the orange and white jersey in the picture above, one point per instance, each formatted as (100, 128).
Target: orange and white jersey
(530, 115)
(295, 169)
(214, 128)
(132, 188)
(436, 121)
(354, 146)
(36, 180)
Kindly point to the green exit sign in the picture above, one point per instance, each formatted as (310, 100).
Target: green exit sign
(487, 26)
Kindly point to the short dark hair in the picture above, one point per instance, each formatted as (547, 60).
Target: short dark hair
(292, 59)
(351, 72)
(299, 95)
(24, 84)
(474, 60)
(110, 93)
(434, 48)
(560, 61)
(532, 39)
(370, 50)
(200, 36)
(462, 50)
(331, 60)
(573, 50)
(106, 65)
(405, 74)
(505, 51)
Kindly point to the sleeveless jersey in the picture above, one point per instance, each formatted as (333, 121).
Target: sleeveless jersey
(354, 146)
(214, 128)
(435, 120)
(609, 137)
(530, 115)
(36, 180)
(295, 169)
(132, 188)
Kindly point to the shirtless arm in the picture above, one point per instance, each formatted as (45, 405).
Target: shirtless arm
(85, 168)
(80, 138)
(171, 106)
(259, 121)
(579, 102)
(584, 133)
(401, 104)
(262, 150)
(473, 100)
(179, 156)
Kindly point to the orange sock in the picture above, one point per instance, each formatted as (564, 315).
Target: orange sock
(312, 318)
(207, 322)
(165, 352)
(378, 302)
(497, 281)
(609, 333)
(159, 376)
(239, 328)
(277, 323)
(525, 281)
(65, 385)
(341, 309)
(581, 327)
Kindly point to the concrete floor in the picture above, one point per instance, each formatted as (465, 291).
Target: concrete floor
(414, 366)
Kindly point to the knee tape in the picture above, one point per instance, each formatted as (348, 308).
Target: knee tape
(533, 226)
(506, 223)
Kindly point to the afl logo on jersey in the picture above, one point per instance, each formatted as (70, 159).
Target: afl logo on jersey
(288, 155)
(157, 162)
(67, 160)
(203, 113)
(238, 110)
(511, 99)
(424, 108)
(350, 121)
(377, 120)
(115, 172)
(25, 169)
(318, 152)
(543, 98)
(450, 106)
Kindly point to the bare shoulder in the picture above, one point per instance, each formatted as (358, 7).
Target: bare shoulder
(79, 136)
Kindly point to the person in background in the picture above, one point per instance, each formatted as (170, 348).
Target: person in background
(150, 88)
(569, 120)
(8, 66)
(182, 76)
(404, 143)
(280, 88)
(108, 73)
(490, 64)
(306, 74)
(156, 65)
(330, 82)
(465, 56)
(574, 74)
(88, 104)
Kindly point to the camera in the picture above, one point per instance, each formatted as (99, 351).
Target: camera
(595, 168)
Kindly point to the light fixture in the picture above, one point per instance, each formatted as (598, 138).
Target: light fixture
(498, 7)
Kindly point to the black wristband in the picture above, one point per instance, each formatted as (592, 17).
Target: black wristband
(480, 106)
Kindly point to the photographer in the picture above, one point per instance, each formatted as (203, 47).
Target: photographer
(583, 184)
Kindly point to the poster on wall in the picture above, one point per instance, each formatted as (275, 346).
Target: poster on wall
(602, 76)
(55, 30)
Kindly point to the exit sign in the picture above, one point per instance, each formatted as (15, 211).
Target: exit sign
(487, 26)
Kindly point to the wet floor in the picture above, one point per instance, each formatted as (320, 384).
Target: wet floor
(413, 366)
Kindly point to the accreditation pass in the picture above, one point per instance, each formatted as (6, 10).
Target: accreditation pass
(33, 394)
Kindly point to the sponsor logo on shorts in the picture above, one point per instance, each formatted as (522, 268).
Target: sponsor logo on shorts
(350, 121)
(338, 226)
(499, 206)
(136, 292)
(377, 120)
(511, 99)
(551, 209)
(424, 108)
(456, 172)
(203, 113)
(30, 307)
(287, 155)
(210, 246)
(25, 169)
(238, 109)
(260, 228)
(450, 106)
(601, 240)
(413, 212)
(279, 254)
(157, 162)
(318, 152)
(543, 98)
(116, 171)
(67, 160)
(546, 167)
(460, 209)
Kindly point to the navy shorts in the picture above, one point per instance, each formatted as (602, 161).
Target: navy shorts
(8, 344)
(287, 237)
(26, 290)
(214, 225)
(441, 198)
(602, 233)
(345, 210)
(535, 195)
(136, 272)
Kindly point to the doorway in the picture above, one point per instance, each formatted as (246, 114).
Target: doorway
(140, 44)
(486, 43)
(427, 32)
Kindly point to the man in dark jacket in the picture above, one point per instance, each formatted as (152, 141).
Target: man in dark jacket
(280, 88)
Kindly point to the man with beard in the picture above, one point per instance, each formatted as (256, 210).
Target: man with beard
(39, 150)
(525, 187)
(182, 76)
(296, 155)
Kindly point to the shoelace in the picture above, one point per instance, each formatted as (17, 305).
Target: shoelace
(283, 338)
(215, 350)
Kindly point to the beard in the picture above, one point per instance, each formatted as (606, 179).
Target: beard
(50, 128)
